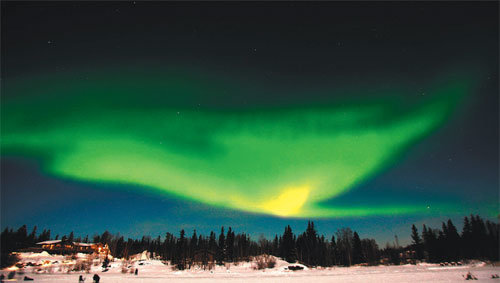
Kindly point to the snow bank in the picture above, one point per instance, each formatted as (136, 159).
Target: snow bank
(51, 268)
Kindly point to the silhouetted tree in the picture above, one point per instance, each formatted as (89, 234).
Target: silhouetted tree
(230, 245)
(357, 256)
(288, 245)
(417, 242)
(370, 251)
(344, 245)
(221, 248)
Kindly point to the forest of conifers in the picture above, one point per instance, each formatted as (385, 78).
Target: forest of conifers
(479, 239)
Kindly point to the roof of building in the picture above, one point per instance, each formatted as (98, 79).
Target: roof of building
(59, 241)
(83, 244)
(49, 242)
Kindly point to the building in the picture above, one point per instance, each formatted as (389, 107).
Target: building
(67, 247)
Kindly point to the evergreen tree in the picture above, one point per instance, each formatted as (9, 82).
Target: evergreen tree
(221, 250)
(431, 244)
(357, 256)
(322, 252)
(440, 247)
(417, 242)
(333, 251)
(32, 236)
(212, 244)
(479, 237)
(71, 237)
(180, 257)
(452, 241)
(493, 240)
(275, 250)
(288, 245)
(307, 245)
(466, 239)
(230, 245)
(21, 238)
(193, 244)
(119, 247)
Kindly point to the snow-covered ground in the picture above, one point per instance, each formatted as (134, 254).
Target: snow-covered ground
(43, 267)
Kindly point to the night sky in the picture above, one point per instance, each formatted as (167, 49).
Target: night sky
(148, 117)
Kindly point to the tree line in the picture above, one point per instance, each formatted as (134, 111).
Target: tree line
(479, 239)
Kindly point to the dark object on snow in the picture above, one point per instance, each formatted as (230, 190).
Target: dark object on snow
(469, 276)
(96, 278)
(81, 279)
(105, 263)
(26, 278)
(136, 271)
(295, 267)
(11, 275)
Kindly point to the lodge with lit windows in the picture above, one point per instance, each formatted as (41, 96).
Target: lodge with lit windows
(69, 247)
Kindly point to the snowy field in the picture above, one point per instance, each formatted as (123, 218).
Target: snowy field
(54, 269)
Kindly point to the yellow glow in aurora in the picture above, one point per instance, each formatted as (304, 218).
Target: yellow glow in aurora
(287, 203)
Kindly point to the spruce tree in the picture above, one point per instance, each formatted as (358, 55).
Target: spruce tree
(333, 250)
(221, 249)
(32, 236)
(193, 244)
(310, 251)
(357, 256)
(275, 251)
(230, 245)
(452, 241)
(288, 245)
(180, 257)
(417, 242)
(466, 240)
(212, 244)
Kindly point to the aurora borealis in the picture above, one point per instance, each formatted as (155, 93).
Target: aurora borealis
(325, 124)
(278, 161)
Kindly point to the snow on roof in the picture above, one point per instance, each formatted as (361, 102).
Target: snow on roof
(83, 244)
(58, 241)
(49, 242)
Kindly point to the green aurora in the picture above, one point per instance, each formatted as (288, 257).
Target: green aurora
(181, 135)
